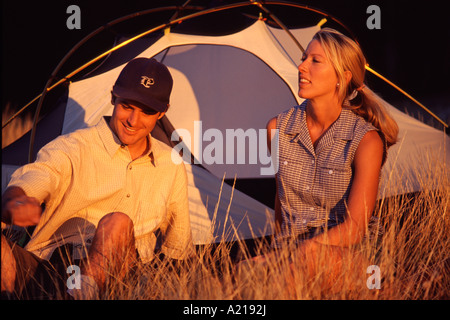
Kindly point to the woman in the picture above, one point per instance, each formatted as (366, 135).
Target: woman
(331, 150)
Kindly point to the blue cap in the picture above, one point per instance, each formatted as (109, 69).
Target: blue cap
(145, 81)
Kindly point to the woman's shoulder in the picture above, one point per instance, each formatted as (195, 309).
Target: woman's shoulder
(356, 123)
(363, 124)
(369, 137)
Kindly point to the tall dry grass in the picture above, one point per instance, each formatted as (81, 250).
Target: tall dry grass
(412, 254)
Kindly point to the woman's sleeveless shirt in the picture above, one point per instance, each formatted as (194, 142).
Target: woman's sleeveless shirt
(314, 184)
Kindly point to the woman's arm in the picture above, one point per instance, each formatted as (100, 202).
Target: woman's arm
(272, 125)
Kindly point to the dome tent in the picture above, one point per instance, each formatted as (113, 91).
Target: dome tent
(224, 84)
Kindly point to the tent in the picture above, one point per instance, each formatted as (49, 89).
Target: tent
(226, 88)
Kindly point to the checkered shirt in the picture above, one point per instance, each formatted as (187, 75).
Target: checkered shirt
(314, 184)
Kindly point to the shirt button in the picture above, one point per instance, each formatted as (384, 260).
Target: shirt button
(330, 172)
(304, 221)
(131, 167)
(311, 209)
(307, 188)
(285, 163)
(312, 161)
(128, 195)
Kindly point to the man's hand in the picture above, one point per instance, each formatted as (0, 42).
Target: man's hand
(19, 209)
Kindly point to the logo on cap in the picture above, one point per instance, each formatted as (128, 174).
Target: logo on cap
(147, 82)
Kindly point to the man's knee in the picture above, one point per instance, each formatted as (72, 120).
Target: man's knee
(116, 224)
(116, 220)
(114, 234)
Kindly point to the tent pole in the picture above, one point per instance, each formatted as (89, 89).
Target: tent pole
(178, 20)
(175, 15)
(47, 87)
(278, 21)
(308, 8)
(172, 22)
(406, 94)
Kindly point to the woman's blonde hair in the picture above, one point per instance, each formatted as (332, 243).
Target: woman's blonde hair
(346, 55)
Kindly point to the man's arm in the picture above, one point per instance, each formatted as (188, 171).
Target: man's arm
(36, 182)
(19, 209)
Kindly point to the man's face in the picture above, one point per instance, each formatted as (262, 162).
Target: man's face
(132, 125)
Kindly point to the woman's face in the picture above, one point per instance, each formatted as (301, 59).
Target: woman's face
(317, 77)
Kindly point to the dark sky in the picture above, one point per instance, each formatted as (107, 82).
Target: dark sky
(412, 48)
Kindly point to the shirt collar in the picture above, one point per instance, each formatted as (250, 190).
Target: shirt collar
(342, 128)
(113, 144)
(345, 125)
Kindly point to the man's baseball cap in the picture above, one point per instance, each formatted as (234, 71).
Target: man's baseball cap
(145, 81)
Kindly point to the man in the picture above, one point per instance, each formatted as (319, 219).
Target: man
(112, 195)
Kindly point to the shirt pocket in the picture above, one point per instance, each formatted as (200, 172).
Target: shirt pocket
(291, 174)
(333, 183)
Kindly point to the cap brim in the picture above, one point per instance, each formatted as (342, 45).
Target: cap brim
(149, 104)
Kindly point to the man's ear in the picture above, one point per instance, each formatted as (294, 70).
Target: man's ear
(163, 113)
(113, 99)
